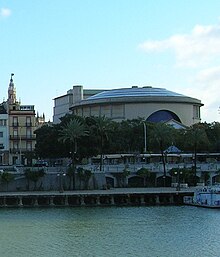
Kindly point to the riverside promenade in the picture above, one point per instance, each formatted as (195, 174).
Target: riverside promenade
(109, 197)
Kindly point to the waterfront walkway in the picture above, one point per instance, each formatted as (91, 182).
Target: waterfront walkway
(109, 197)
(150, 190)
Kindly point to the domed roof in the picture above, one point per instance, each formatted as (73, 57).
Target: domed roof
(135, 92)
(137, 95)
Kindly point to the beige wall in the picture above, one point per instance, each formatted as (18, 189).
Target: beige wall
(185, 112)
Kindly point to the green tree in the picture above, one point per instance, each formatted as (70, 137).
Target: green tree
(144, 173)
(70, 133)
(102, 128)
(162, 135)
(47, 144)
(7, 177)
(84, 175)
(196, 138)
(121, 176)
(34, 176)
(205, 176)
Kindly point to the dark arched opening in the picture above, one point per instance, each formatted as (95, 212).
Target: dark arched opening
(163, 116)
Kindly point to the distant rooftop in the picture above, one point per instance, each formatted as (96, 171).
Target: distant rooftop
(135, 92)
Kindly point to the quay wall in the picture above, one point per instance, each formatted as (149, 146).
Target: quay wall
(123, 197)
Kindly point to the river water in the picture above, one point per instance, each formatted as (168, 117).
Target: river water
(172, 231)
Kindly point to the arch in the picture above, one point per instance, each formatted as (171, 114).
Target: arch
(110, 181)
(216, 179)
(160, 181)
(163, 116)
(135, 181)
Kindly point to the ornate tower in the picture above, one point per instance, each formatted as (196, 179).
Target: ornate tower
(11, 91)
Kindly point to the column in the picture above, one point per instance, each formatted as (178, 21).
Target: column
(51, 201)
(112, 200)
(82, 202)
(36, 201)
(142, 200)
(157, 199)
(98, 200)
(20, 203)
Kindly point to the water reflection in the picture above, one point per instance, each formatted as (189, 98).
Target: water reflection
(127, 231)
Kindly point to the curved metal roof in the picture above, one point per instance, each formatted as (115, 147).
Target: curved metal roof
(135, 92)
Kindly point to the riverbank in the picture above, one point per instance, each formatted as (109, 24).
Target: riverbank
(110, 197)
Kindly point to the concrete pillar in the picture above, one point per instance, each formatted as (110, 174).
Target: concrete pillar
(66, 203)
(82, 202)
(98, 200)
(35, 201)
(128, 200)
(171, 199)
(51, 201)
(157, 199)
(142, 200)
(112, 200)
(20, 203)
(4, 202)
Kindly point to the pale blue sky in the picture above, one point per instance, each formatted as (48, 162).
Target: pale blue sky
(51, 45)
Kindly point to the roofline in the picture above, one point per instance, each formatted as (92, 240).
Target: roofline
(139, 99)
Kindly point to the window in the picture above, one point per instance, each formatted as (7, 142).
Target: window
(15, 145)
(15, 121)
(3, 122)
(28, 121)
(28, 131)
(1, 134)
(196, 112)
(29, 146)
(15, 132)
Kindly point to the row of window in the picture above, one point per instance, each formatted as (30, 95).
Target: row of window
(15, 120)
(28, 145)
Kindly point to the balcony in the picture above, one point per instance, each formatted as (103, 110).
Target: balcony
(22, 137)
(22, 150)
(15, 124)
(28, 124)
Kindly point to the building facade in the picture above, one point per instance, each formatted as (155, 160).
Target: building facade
(21, 127)
(4, 135)
(151, 104)
(73, 96)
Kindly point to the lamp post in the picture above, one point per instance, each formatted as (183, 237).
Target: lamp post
(145, 137)
(61, 175)
(178, 173)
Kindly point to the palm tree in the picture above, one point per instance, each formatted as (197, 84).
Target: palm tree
(144, 173)
(70, 133)
(103, 127)
(7, 177)
(196, 136)
(162, 135)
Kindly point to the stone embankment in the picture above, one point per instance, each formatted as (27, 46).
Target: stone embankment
(111, 197)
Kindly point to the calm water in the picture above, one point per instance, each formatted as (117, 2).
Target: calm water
(128, 231)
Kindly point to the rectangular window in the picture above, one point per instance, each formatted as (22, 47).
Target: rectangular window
(196, 112)
(28, 133)
(28, 121)
(29, 146)
(3, 122)
(15, 121)
(15, 132)
(1, 134)
(15, 145)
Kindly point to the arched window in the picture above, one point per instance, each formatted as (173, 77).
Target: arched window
(162, 116)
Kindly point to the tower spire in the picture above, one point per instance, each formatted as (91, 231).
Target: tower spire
(11, 91)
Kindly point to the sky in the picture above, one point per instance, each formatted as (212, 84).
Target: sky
(52, 45)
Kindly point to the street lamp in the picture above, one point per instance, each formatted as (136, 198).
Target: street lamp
(61, 175)
(145, 137)
(178, 173)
